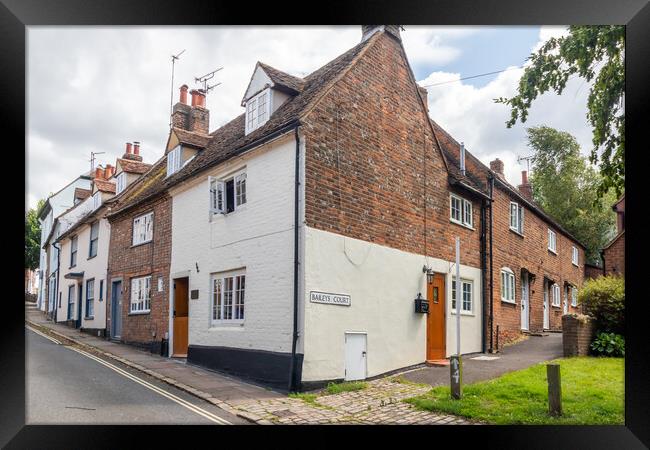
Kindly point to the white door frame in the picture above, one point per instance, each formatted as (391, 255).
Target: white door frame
(365, 356)
(525, 302)
(547, 311)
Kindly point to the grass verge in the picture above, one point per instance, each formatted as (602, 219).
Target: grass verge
(349, 386)
(592, 394)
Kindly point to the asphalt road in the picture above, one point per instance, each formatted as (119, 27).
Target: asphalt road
(64, 386)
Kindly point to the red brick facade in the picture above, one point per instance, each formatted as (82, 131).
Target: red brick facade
(614, 256)
(370, 157)
(153, 258)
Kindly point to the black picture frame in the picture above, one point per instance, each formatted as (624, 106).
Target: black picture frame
(16, 15)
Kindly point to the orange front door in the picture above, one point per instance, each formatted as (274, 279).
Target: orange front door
(436, 348)
(181, 311)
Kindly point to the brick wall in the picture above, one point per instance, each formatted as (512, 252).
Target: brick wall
(593, 271)
(153, 258)
(615, 257)
(577, 333)
(373, 187)
(529, 252)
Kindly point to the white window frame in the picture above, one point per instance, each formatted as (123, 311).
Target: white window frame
(142, 229)
(467, 286)
(72, 290)
(120, 182)
(464, 211)
(574, 296)
(555, 295)
(174, 158)
(90, 243)
(140, 296)
(74, 250)
(90, 299)
(552, 241)
(508, 286)
(574, 256)
(218, 296)
(255, 117)
(97, 200)
(517, 213)
(218, 197)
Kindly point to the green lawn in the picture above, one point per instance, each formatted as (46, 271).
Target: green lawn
(592, 393)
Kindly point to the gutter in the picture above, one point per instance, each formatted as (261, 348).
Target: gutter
(293, 381)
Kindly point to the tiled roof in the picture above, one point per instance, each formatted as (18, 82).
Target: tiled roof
(230, 140)
(190, 138)
(81, 193)
(131, 166)
(283, 80)
(104, 186)
(477, 173)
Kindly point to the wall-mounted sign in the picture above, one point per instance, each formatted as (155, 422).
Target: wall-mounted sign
(160, 284)
(194, 294)
(329, 298)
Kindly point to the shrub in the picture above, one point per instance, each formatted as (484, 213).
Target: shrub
(604, 299)
(608, 344)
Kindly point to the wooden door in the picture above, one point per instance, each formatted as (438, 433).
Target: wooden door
(436, 343)
(116, 310)
(181, 310)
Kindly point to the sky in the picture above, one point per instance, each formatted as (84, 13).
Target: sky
(92, 89)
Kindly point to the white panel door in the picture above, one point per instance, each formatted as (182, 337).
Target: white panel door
(524, 302)
(355, 356)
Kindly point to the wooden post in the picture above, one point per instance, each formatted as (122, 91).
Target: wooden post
(456, 372)
(554, 390)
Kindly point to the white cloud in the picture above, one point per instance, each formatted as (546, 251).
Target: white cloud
(471, 115)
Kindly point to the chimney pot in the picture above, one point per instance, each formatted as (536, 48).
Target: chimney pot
(109, 171)
(497, 166)
(128, 148)
(524, 177)
(136, 148)
(99, 173)
(198, 98)
(525, 188)
(183, 96)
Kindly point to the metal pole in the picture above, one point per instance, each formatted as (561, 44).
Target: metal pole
(458, 296)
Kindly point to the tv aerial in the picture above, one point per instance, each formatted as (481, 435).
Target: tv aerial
(527, 159)
(171, 98)
(92, 160)
(207, 77)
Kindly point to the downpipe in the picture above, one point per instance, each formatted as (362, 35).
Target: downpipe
(293, 382)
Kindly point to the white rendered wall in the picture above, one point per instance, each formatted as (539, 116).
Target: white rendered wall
(259, 237)
(383, 283)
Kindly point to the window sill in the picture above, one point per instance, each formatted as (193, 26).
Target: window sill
(229, 324)
(509, 302)
(552, 251)
(142, 243)
(91, 257)
(517, 232)
(463, 313)
(462, 224)
(139, 313)
(89, 317)
(576, 265)
(556, 306)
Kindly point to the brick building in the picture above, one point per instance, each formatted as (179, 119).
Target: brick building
(613, 254)
(290, 244)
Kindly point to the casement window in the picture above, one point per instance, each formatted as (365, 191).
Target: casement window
(517, 217)
(90, 298)
(507, 285)
(552, 241)
(574, 296)
(258, 110)
(574, 255)
(143, 229)
(228, 292)
(94, 239)
(467, 288)
(555, 295)
(120, 182)
(460, 210)
(71, 290)
(141, 295)
(97, 200)
(174, 160)
(73, 251)
(227, 195)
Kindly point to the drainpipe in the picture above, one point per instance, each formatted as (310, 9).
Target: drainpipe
(56, 290)
(491, 182)
(483, 273)
(292, 367)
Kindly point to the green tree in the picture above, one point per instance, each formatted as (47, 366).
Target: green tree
(32, 237)
(566, 186)
(596, 54)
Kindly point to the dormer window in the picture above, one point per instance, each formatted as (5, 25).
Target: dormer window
(174, 160)
(258, 110)
(120, 182)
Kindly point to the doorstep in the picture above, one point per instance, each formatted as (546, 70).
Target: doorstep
(437, 362)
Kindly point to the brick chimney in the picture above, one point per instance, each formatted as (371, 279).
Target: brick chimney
(132, 152)
(525, 188)
(99, 173)
(497, 166)
(369, 30)
(109, 171)
(181, 111)
(194, 117)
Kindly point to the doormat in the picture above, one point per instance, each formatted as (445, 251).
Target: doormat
(485, 358)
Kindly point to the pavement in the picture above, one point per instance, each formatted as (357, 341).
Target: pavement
(379, 403)
(518, 356)
(64, 385)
